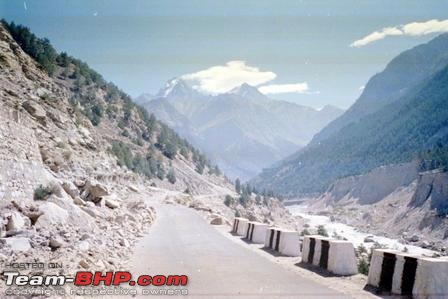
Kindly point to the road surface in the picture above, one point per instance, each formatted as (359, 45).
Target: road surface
(181, 242)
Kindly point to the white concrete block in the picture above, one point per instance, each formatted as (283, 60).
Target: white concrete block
(269, 237)
(290, 243)
(375, 268)
(431, 280)
(241, 226)
(398, 275)
(341, 258)
(258, 232)
(305, 249)
(318, 249)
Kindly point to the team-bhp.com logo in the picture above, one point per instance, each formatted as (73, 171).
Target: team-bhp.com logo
(84, 278)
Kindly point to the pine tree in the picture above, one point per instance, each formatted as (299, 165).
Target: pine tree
(238, 186)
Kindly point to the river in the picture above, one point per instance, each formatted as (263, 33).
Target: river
(351, 233)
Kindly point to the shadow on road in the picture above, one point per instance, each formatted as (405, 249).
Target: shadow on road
(385, 295)
(271, 251)
(318, 270)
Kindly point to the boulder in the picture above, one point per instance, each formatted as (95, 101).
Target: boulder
(71, 189)
(124, 243)
(415, 238)
(133, 188)
(79, 201)
(16, 222)
(111, 203)
(217, 221)
(94, 191)
(52, 214)
(83, 245)
(56, 242)
(17, 244)
(369, 239)
(84, 264)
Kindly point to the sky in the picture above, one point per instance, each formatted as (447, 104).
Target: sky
(309, 52)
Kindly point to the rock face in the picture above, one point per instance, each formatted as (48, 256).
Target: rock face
(35, 110)
(375, 185)
(395, 201)
(432, 188)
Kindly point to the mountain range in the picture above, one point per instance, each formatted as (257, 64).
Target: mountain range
(242, 130)
(401, 115)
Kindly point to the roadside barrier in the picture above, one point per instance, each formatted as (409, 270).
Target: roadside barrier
(240, 226)
(336, 256)
(256, 232)
(284, 241)
(404, 274)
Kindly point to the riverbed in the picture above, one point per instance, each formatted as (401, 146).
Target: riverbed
(351, 233)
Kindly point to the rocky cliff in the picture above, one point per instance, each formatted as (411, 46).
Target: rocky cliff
(395, 201)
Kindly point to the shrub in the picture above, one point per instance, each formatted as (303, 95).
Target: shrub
(305, 232)
(171, 176)
(42, 192)
(229, 200)
(363, 266)
(321, 230)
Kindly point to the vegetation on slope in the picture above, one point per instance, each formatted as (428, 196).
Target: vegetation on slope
(97, 99)
(415, 125)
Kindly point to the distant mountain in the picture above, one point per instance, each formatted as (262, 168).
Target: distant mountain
(402, 114)
(242, 130)
(402, 74)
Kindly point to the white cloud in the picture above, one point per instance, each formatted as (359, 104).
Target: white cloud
(410, 29)
(284, 88)
(223, 78)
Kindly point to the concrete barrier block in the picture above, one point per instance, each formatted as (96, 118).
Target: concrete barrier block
(273, 238)
(375, 268)
(342, 258)
(309, 248)
(256, 232)
(431, 279)
(394, 271)
(269, 237)
(290, 243)
(240, 226)
(336, 256)
(321, 247)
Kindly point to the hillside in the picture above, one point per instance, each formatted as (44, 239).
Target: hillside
(241, 130)
(412, 126)
(401, 75)
(79, 161)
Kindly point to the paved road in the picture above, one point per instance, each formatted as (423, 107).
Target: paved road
(182, 242)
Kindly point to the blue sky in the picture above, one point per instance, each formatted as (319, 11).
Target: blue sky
(139, 45)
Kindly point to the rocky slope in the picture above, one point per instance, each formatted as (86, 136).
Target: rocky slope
(395, 201)
(74, 188)
(243, 130)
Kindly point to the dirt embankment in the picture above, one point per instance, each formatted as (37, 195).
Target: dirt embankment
(394, 201)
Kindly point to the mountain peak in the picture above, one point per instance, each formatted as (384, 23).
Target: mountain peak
(176, 87)
(247, 91)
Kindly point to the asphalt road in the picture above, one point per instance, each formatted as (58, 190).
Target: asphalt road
(181, 242)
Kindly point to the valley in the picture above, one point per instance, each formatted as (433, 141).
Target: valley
(342, 203)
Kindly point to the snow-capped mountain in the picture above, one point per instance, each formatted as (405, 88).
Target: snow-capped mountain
(243, 130)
